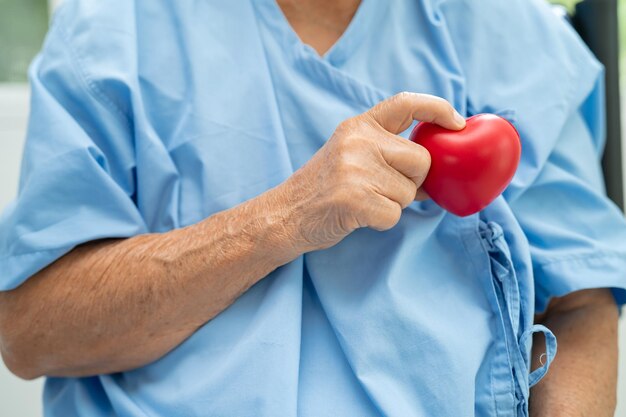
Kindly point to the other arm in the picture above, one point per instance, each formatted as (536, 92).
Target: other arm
(583, 376)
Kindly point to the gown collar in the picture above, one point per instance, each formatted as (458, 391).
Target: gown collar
(366, 19)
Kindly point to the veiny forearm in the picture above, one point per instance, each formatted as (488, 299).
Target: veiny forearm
(150, 291)
(583, 377)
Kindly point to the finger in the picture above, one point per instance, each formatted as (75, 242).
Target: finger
(408, 158)
(396, 113)
(382, 213)
(395, 186)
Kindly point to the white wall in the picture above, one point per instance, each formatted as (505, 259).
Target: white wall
(23, 399)
(17, 398)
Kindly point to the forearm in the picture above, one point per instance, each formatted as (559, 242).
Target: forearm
(583, 376)
(151, 291)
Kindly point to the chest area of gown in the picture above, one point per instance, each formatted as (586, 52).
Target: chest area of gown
(230, 125)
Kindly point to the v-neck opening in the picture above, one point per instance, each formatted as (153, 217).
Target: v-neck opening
(354, 33)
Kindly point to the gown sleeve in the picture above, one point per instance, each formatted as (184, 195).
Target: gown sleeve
(77, 179)
(577, 236)
(524, 62)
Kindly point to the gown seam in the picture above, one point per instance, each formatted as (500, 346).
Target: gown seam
(581, 258)
(89, 85)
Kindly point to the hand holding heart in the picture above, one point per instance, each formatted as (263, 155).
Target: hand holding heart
(364, 175)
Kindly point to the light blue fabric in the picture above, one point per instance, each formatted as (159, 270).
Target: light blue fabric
(149, 115)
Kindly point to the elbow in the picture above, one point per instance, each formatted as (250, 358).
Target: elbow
(20, 366)
(17, 351)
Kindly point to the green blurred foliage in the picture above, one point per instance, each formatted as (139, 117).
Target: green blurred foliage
(621, 13)
(23, 25)
(567, 3)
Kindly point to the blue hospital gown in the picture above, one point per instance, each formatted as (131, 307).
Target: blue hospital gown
(150, 115)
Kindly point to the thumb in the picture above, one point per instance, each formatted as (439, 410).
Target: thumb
(396, 113)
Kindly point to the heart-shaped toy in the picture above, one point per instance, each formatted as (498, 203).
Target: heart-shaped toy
(470, 167)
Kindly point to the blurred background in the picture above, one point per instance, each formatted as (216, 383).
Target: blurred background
(23, 25)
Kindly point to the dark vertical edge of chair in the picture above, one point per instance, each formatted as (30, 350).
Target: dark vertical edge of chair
(596, 22)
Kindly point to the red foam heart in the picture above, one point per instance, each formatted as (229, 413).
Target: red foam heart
(470, 167)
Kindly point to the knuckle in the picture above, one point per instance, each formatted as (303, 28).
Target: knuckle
(344, 126)
(436, 100)
(437, 105)
(349, 126)
(403, 96)
(394, 215)
(341, 132)
(350, 140)
(370, 118)
(409, 195)
(423, 157)
(432, 100)
(389, 219)
(346, 141)
(406, 200)
(450, 110)
(443, 107)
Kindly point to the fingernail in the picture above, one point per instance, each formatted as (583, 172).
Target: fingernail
(459, 119)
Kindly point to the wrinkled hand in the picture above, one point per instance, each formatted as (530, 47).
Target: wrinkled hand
(365, 174)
